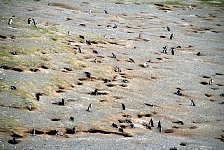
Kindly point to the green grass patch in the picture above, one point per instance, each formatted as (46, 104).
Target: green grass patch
(216, 3)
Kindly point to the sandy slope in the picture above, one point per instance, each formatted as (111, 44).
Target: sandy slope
(46, 61)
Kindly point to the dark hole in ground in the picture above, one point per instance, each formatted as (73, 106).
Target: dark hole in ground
(169, 131)
(219, 74)
(208, 95)
(55, 119)
(204, 83)
(206, 77)
(183, 144)
(178, 122)
(15, 135)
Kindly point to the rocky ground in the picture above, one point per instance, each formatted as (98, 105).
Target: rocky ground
(68, 55)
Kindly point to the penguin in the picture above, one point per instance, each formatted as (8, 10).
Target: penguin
(95, 51)
(29, 20)
(192, 103)
(190, 7)
(89, 107)
(115, 26)
(131, 60)
(33, 132)
(125, 81)
(159, 127)
(37, 95)
(210, 82)
(29, 107)
(178, 92)
(69, 33)
(71, 131)
(165, 49)
(10, 21)
(198, 54)
(117, 69)
(145, 65)
(151, 123)
(172, 50)
(140, 35)
(90, 11)
(13, 141)
(62, 102)
(95, 92)
(173, 148)
(123, 106)
(71, 118)
(105, 11)
(121, 130)
(171, 36)
(132, 125)
(88, 42)
(79, 49)
(13, 87)
(81, 37)
(168, 28)
(88, 75)
(34, 23)
(114, 125)
(114, 56)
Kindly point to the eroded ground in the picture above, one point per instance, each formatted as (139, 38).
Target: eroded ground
(41, 65)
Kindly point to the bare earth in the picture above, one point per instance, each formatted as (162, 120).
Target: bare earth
(46, 61)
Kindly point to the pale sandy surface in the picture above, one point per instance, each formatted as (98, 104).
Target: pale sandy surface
(60, 74)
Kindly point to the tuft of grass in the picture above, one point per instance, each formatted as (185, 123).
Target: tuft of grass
(2, 85)
(171, 2)
(216, 3)
(9, 124)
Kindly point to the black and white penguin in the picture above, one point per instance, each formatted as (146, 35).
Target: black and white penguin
(13, 87)
(105, 11)
(88, 75)
(151, 123)
(10, 21)
(114, 56)
(210, 82)
(192, 103)
(114, 125)
(29, 20)
(62, 102)
(33, 132)
(172, 50)
(168, 28)
(123, 106)
(171, 36)
(13, 141)
(165, 49)
(34, 22)
(89, 107)
(159, 127)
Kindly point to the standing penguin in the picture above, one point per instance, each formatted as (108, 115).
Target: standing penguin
(89, 107)
(123, 106)
(171, 36)
(172, 50)
(29, 20)
(10, 21)
(159, 126)
(192, 103)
